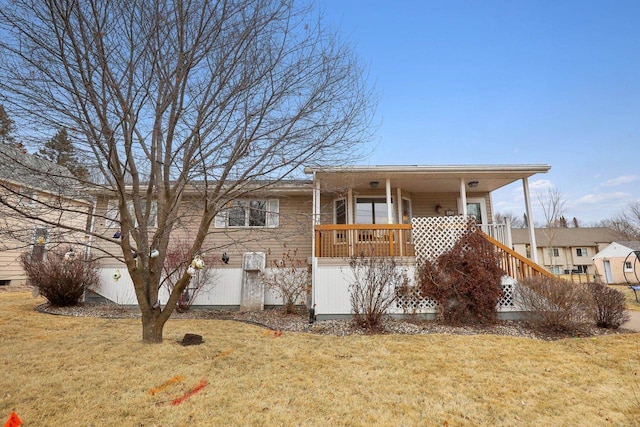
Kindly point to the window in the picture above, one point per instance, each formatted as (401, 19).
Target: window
(582, 268)
(555, 269)
(249, 213)
(113, 215)
(406, 211)
(582, 252)
(340, 211)
(372, 210)
(628, 267)
(474, 209)
(528, 251)
(554, 252)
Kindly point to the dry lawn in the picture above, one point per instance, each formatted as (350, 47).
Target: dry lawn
(630, 298)
(63, 371)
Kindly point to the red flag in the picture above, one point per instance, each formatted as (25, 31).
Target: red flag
(13, 421)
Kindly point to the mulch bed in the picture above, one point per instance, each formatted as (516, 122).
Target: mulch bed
(277, 321)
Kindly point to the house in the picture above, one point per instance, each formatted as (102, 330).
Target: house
(405, 212)
(618, 262)
(565, 250)
(35, 196)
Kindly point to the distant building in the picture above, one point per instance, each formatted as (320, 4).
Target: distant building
(618, 262)
(565, 250)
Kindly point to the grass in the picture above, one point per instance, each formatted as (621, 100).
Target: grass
(94, 372)
(630, 298)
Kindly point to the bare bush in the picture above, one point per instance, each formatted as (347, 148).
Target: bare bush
(61, 280)
(610, 307)
(556, 305)
(288, 278)
(466, 282)
(176, 264)
(373, 290)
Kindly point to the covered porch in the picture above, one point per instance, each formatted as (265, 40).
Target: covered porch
(376, 210)
(368, 209)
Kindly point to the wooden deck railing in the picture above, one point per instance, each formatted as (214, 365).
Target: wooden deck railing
(514, 264)
(345, 240)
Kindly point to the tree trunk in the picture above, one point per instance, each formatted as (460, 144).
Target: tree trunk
(152, 327)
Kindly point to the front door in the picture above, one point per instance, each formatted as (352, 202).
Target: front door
(608, 277)
(476, 207)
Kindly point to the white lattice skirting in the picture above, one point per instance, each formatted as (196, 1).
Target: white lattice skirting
(433, 236)
(413, 302)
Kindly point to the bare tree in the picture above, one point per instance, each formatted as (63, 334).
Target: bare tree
(552, 203)
(171, 97)
(516, 221)
(7, 126)
(625, 223)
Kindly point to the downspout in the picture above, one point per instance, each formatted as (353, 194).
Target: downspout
(532, 232)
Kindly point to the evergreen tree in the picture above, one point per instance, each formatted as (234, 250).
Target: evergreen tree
(60, 150)
(6, 126)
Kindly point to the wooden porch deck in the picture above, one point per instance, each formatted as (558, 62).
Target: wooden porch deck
(344, 241)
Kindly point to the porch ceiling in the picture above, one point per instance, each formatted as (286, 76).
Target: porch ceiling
(432, 179)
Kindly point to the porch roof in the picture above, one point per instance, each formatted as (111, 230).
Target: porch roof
(434, 178)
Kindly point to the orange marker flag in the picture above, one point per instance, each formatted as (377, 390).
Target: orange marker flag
(13, 421)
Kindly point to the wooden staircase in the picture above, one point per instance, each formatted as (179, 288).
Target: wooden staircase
(514, 264)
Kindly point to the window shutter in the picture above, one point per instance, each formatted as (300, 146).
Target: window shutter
(273, 213)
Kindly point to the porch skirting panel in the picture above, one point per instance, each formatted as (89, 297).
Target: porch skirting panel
(224, 289)
(332, 294)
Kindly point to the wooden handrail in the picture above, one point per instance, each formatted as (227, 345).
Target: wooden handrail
(509, 258)
(363, 227)
(346, 240)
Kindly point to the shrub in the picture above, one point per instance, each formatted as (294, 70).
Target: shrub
(373, 290)
(175, 265)
(288, 278)
(610, 307)
(466, 282)
(62, 282)
(556, 305)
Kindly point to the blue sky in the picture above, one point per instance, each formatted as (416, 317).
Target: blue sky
(508, 82)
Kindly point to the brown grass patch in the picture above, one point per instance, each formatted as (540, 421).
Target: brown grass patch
(85, 371)
(629, 297)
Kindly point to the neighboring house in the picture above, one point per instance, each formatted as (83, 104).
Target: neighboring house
(565, 250)
(406, 212)
(36, 194)
(618, 262)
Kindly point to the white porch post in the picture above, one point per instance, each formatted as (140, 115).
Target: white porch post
(350, 205)
(315, 215)
(463, 196)
(530, 226)
(389, 207)
(316, 200)
(399, 204)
